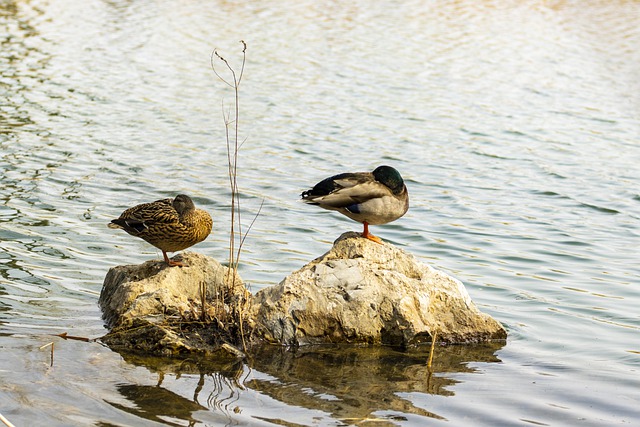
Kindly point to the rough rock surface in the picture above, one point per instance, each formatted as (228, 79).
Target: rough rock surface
(154, 307)
(364, 292)
(358, 292)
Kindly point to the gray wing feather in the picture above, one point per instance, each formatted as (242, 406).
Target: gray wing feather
(352, 193)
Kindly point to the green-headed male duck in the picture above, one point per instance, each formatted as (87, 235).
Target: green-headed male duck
(371, 198)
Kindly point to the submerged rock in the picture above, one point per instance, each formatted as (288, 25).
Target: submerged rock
(364, 292)
(358, 292)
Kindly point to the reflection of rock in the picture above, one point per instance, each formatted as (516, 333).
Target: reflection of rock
(351, 384)
(354, 383)
(155, 308)
(341, 384)
(156, 404)
(364, 292)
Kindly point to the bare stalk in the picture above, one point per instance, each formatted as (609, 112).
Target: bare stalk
(232, 127)
(203, 301)
(232, 137)
(5, 421)
(433, 346)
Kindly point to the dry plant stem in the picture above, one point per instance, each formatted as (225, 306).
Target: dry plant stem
(232, 151)
(5, 421)
(66, 336)
(203, 301)
(240, 316)
(233, 146)
(433, 346)
(47, 345)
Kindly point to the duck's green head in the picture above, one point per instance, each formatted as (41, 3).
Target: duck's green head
(389, 177)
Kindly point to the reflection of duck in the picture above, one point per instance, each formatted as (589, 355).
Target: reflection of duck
(374, 198)
(170, 225)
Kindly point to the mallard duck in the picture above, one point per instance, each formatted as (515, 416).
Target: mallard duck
(170, 225)
(371, 198)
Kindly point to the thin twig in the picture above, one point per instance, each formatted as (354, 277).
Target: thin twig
(203, 301)
(232, 152)
(5, 421)
(213, 66)
(232, 135)
(433, 345)
(47, 345)
(65, 336)
(244, 236)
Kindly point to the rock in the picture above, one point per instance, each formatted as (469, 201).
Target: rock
(158, 309)
(364, 292)
(359, 292)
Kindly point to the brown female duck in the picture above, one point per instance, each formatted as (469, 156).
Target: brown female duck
(170, 225)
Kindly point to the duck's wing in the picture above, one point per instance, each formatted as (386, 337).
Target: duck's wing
(345, 190)
(140, 218)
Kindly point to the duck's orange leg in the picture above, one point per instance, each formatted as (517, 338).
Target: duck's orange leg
(171, 263)
(368, 235)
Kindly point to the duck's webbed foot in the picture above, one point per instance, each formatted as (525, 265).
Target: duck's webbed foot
(370, 236)
(172, 263)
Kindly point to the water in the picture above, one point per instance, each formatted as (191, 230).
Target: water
(515, 125)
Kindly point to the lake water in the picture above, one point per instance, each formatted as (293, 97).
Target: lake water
(516, 126)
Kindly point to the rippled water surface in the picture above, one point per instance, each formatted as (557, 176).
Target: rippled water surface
(514, 123)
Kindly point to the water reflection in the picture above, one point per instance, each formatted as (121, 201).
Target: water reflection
(347, 384)
(156, 404)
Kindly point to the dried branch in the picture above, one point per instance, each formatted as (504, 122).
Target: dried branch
(232, 135)
(5, 421)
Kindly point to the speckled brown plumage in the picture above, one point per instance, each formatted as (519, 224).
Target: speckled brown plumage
(170, 225)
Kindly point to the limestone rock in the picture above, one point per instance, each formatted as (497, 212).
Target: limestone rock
(358, 292)
(154, 307)
(364, 292)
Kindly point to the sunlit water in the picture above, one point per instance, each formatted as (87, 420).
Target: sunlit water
(515, 125)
